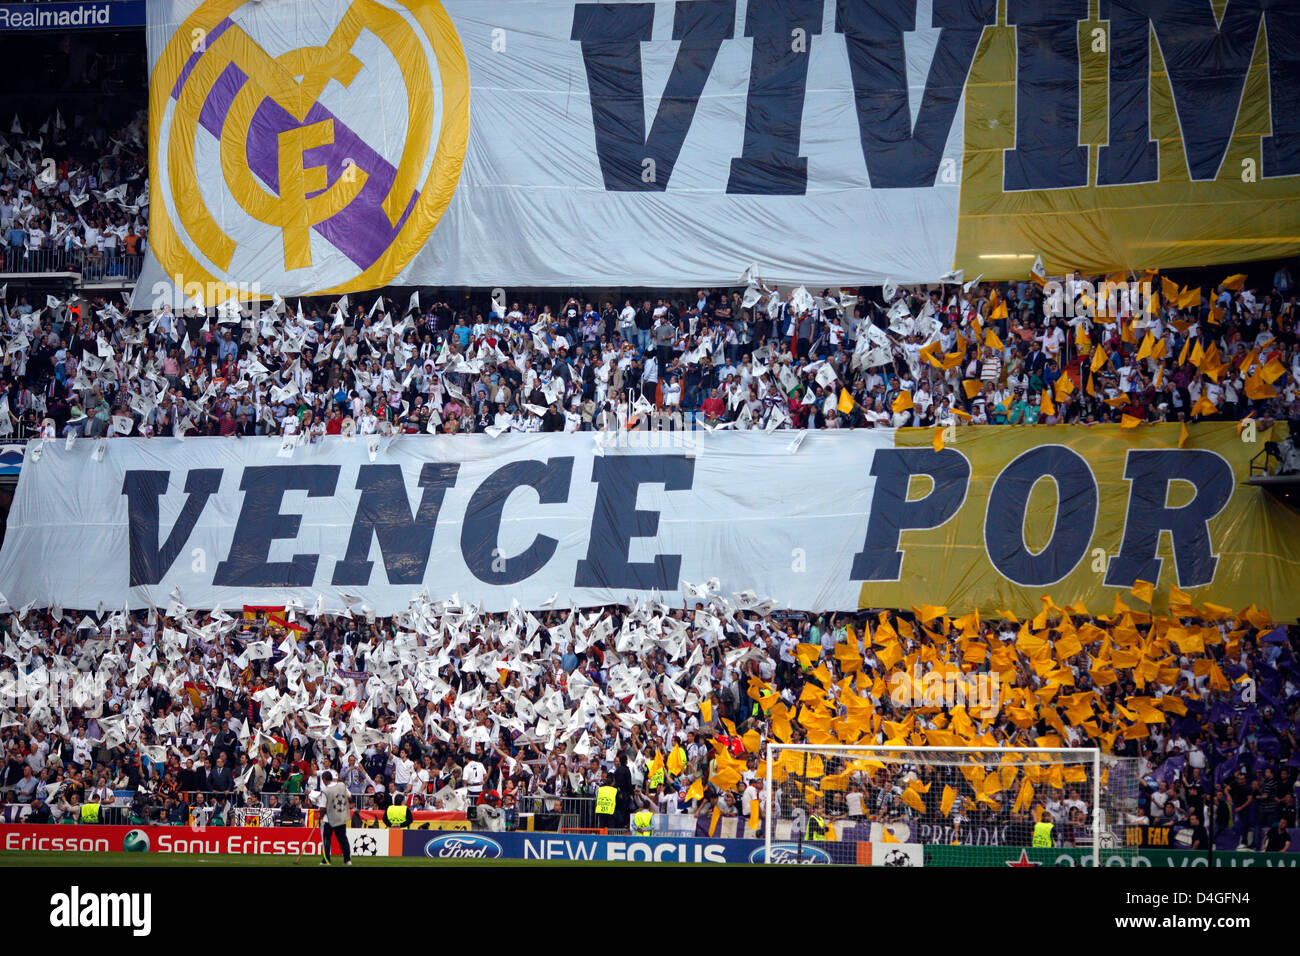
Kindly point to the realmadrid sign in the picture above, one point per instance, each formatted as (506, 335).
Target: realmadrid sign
(306, 148)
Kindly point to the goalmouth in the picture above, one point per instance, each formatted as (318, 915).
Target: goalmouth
(953, 806)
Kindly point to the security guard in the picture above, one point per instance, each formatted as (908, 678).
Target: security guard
(606, 802)
(642, 823)
(397, 815)
(817, 826)
(1042, 833)
(90, 812)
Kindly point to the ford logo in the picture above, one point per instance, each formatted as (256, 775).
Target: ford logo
(462, 846)
(790, 853)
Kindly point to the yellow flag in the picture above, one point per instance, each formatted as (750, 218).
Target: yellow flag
(1257, 389)
(1145, 351)
(913, 800)
(991, 339)
(713, 823)
(753, 814)
(1143, 590)
(886, 836)
(676, 761)
(725, 778)
(845, 404)
(903, 402)
(1183, 435)
(1234, 282)
(1204, 406)
(928, 612)
(1098, 360)
(1129, 421)
(695, 791)
(971, 386)
(1000, 312)
(945, 805)
(1046, 404)
(706, 710)
(936, 440)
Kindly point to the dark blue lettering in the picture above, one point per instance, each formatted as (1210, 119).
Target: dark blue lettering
(1047, 154)
(260, 522)
(148, 562)
(617, 520)
(482, 526)
(897, 155)
(1076, 516)
(611, 35)
(769, 163)
(892, 513)
(1149, 474)
(385, 513)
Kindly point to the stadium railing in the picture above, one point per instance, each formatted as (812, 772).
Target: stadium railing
(92, 266)
(574, 812)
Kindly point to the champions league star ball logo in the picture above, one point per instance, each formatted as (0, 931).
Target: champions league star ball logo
(306, 147)
(365, 844)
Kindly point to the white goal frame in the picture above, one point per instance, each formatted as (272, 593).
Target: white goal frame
(1083, 754)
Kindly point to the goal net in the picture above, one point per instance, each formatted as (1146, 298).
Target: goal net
(935, 806)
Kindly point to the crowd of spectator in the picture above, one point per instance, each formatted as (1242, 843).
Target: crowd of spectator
(444, 706)
(786, 360)
(74, 197)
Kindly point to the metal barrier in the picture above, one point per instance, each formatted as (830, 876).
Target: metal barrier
(22, 259)
(93, 266)
(107, 268)
(575, 812)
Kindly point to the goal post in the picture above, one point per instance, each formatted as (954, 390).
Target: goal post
(944, 806)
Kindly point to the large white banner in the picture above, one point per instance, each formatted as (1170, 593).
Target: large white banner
(819, 521)
(534, 143)
(314, 146)
(545, 520)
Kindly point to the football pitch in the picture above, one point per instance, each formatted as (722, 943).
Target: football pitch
(119, 859)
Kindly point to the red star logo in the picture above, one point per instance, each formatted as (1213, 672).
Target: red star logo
(1023, 861)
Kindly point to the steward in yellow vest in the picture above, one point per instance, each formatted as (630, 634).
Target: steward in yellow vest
(90, 813)
(1042, 834)
(817, 827)
(606, 802)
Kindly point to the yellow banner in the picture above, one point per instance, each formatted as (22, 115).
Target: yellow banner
(1083, 513)
(1127, 143)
